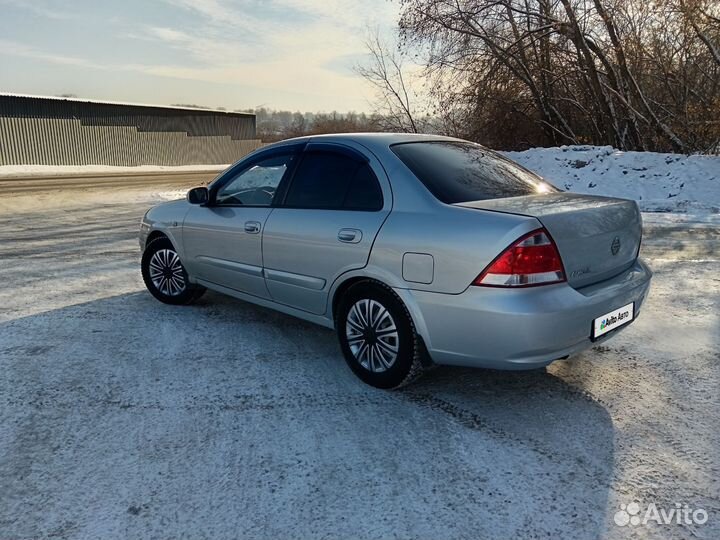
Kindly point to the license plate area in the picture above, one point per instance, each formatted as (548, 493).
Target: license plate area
(612, 320)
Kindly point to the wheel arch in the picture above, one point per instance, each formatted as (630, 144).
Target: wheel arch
(342, 288)
(403, 295)
(154, 235)
(347, 279)
(167, 235)
(387, 281)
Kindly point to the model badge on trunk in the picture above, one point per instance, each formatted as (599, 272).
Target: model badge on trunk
(615, 246)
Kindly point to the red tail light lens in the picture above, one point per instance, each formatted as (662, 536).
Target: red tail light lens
(532, 260)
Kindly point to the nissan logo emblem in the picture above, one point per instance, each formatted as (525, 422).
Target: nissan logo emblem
(615, 246)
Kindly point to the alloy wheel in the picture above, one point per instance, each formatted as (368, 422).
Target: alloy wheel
(166, 272)
(372, 335)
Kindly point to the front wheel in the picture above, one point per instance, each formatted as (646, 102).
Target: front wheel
(377, 336)
(165, 276)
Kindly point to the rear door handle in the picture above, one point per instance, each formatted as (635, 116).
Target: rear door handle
(252, 227)
(349, 236)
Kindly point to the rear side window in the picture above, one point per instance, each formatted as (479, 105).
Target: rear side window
(457, 172)
(364, 191)
(334, 181)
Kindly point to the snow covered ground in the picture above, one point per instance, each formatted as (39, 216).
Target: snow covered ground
(28, 171)
(659, 182)
(121, 417)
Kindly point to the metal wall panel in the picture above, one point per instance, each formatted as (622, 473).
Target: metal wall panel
(44, 131)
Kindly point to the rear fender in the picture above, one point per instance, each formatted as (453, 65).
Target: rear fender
(369, 272)
(388, 279)
(449, 246)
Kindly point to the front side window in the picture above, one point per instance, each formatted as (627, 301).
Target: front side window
(255, 185)
(457, 172)
(330, 180)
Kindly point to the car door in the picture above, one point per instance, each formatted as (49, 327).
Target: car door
(325, 225)
(223, 239)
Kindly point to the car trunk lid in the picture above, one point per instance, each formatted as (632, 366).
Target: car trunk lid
(597, 237)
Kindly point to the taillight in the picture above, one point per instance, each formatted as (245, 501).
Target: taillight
(532, 260)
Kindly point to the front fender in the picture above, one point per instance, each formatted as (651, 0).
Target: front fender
(166, 218)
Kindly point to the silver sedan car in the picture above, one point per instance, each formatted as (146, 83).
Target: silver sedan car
(416, 249)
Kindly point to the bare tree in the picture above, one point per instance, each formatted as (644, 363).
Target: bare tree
(635, 74)
(386, 73)
(698, 13)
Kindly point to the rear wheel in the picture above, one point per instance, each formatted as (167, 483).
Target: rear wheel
(377, 336)
(165, 276)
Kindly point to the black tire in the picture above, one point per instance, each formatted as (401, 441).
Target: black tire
(168, 293)
(406, 365)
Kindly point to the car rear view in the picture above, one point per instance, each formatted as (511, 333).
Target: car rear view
(573, 279)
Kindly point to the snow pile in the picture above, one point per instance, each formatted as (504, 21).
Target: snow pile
(659, 182)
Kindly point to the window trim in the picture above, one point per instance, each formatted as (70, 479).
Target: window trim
(331, 148)
(248, 162)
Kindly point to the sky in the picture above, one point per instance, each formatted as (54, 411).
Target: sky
(237, 54)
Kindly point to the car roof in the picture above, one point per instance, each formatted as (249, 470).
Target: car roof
(371, 141)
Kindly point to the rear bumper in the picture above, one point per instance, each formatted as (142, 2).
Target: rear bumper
(520, 328)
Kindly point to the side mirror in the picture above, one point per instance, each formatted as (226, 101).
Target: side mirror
(198, 195)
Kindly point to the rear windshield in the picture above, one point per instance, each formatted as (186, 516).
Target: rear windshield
(457, 172)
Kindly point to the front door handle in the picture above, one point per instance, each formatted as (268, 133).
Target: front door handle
(349, 236)
(252, 227)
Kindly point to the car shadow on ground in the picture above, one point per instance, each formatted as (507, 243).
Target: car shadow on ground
(123, 413)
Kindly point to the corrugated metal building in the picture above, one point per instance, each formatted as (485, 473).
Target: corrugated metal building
(36, 130)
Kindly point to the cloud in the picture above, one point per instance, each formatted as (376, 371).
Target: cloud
(212, 9)
(14, 48)
(297, 37)
(349, 13)
(304, 47)
(317, 83)
(203, 46)
(169, 35)
(37, 9)
(219, 14)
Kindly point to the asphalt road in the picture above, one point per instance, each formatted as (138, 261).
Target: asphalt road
(38, 184)
(121, 417)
